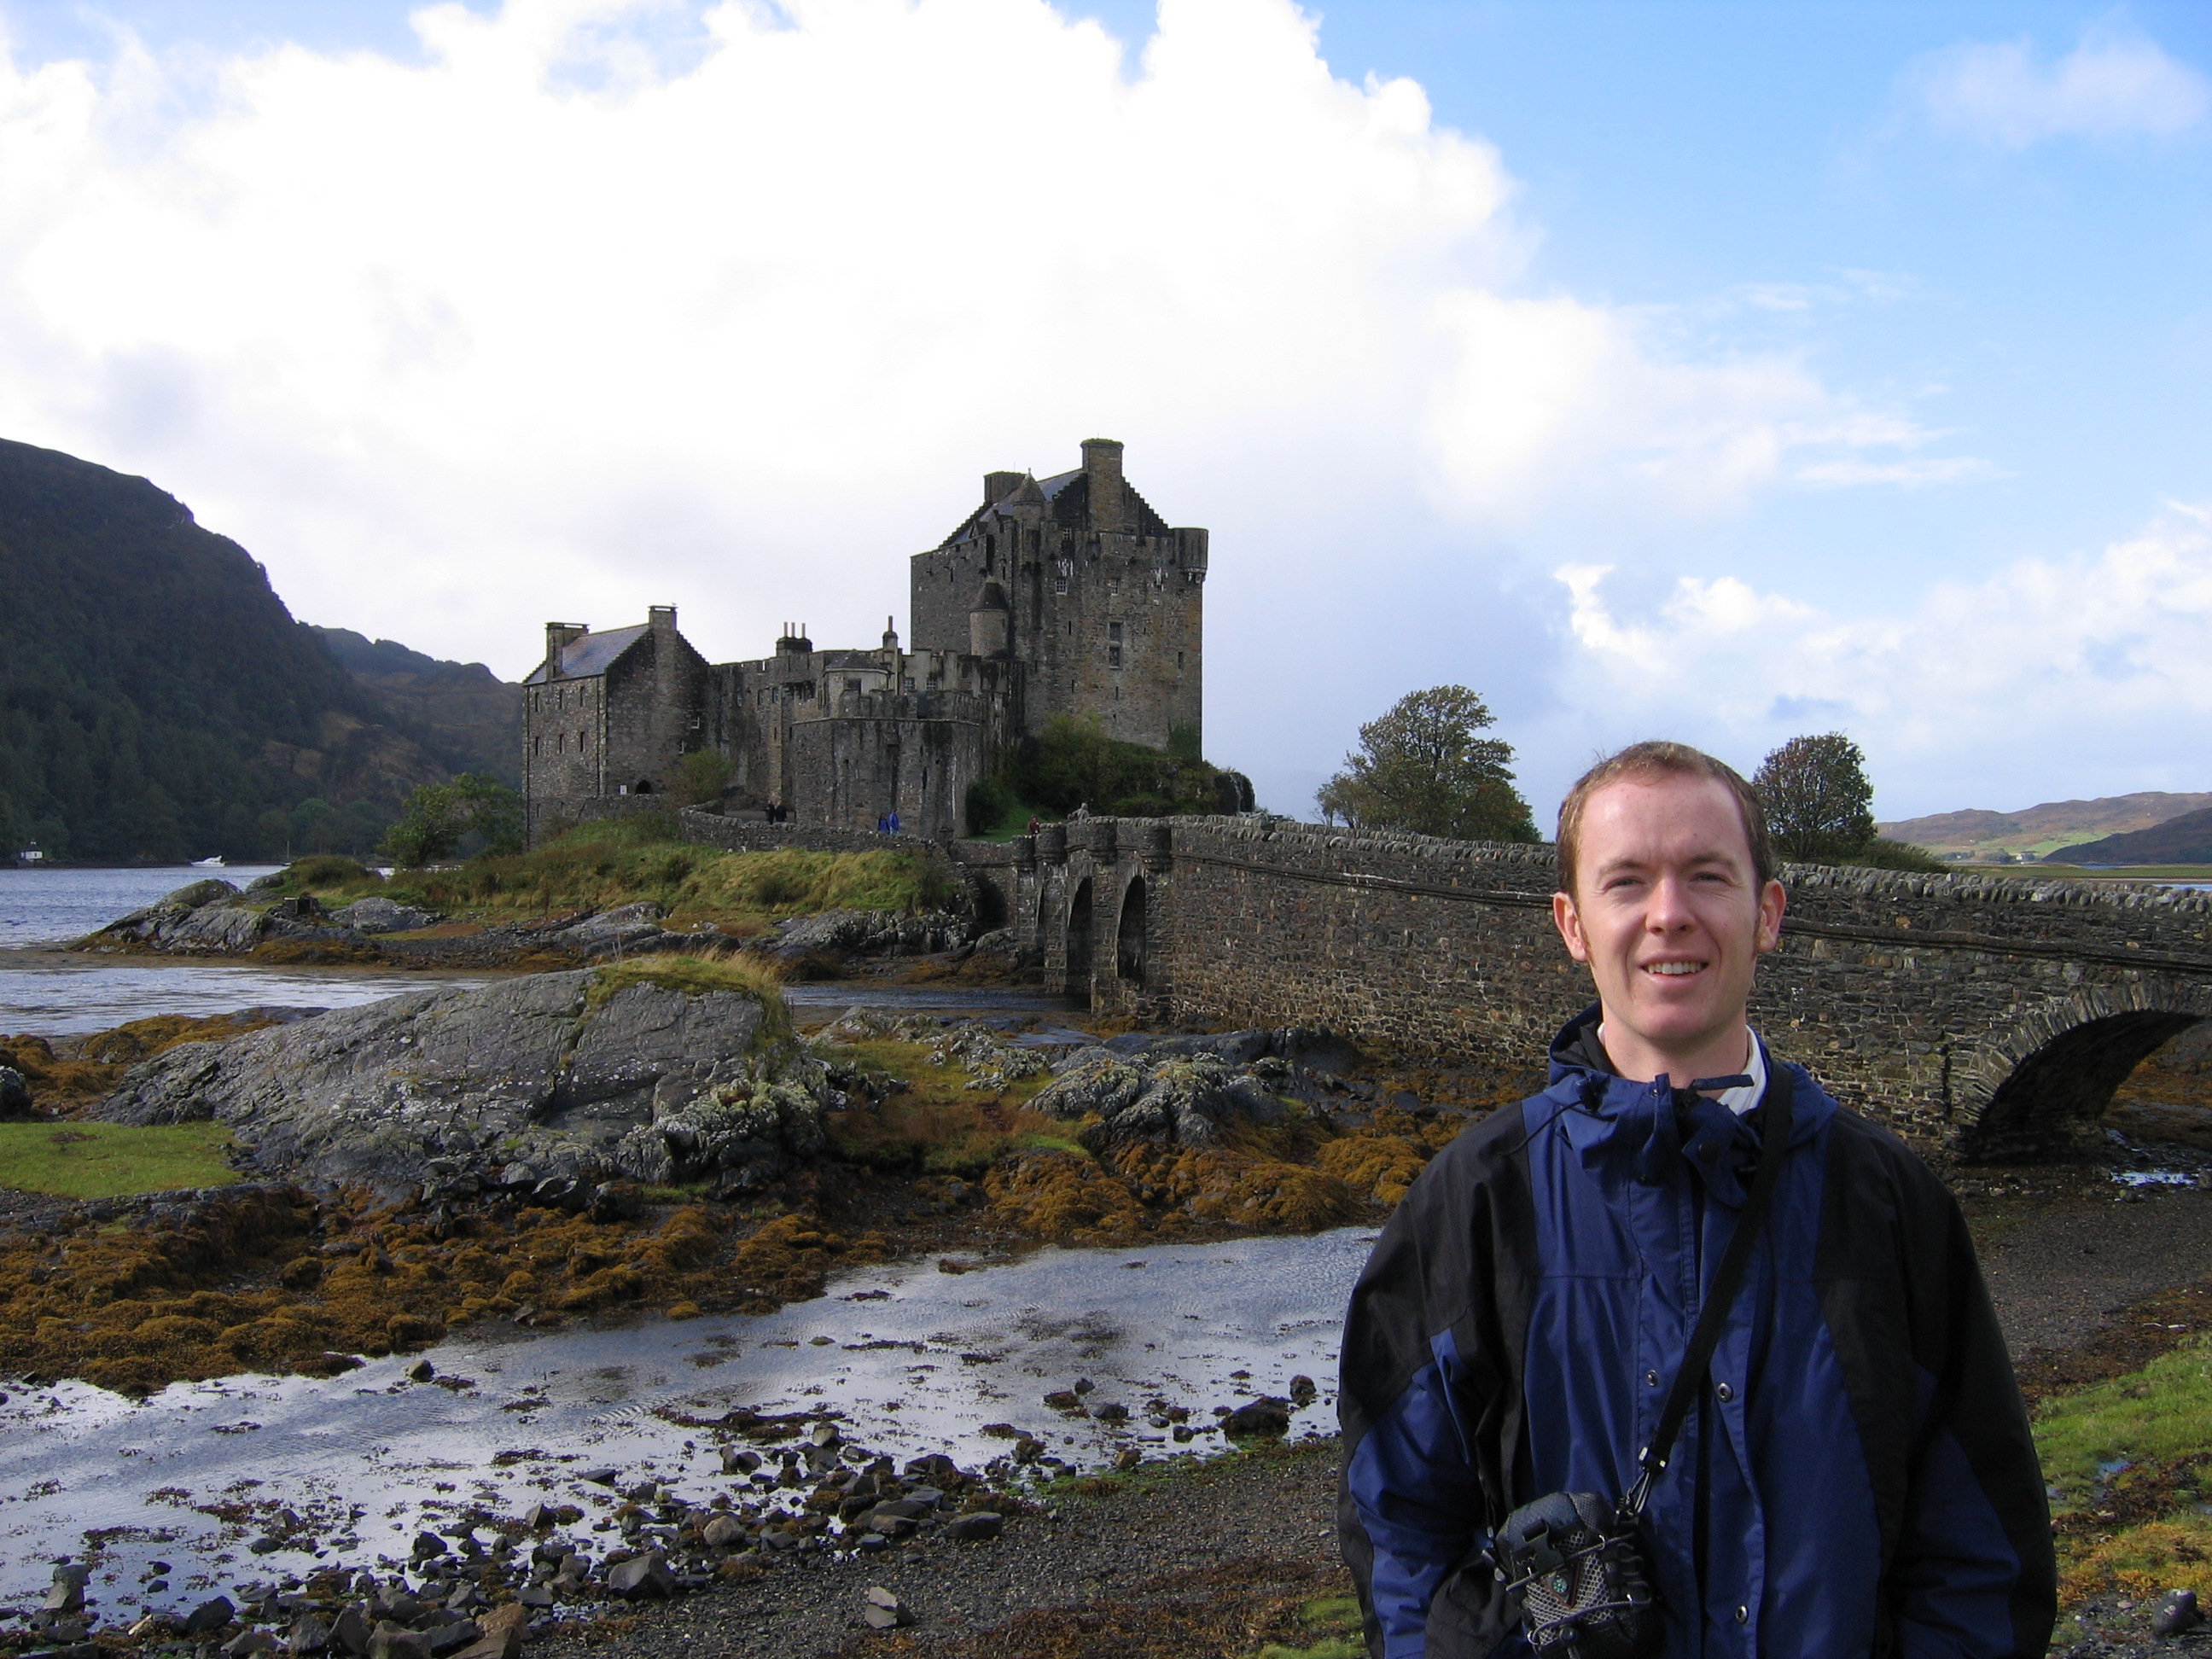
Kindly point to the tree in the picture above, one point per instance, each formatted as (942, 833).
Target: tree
(439, 819)
(700, 777)
(1421, 768)
(1819, 806)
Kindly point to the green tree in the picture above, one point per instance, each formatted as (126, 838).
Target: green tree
(472, 812)
(700, 777)
(1819, 806)
(1421, 768)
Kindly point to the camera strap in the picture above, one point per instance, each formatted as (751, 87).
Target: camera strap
(1774, 1137)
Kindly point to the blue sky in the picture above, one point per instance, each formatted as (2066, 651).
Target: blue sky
(1862, 349)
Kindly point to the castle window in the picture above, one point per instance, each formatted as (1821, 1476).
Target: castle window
(559, 743)
(1114, 632)
(1113, 656)
(1178, 662)
(583, 741)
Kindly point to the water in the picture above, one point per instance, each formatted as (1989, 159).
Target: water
(51, 907)
(917, 1360)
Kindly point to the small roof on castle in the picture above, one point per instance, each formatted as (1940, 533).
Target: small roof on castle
(590, 654)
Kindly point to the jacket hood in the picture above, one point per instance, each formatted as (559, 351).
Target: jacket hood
(1627, 1130)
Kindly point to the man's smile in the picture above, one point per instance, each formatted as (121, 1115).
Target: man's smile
(1674, 968)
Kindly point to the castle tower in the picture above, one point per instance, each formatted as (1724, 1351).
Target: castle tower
(1104, 600)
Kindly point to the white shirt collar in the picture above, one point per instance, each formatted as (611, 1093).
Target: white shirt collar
(1741, 1099)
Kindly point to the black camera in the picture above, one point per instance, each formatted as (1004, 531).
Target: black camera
(1572, 1564)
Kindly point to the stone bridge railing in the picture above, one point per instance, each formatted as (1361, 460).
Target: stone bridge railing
(1991, 1018)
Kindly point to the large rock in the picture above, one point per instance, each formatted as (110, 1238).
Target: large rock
(375, 915)
(15, 1097)
(213, 918)
(1184, 1098)
(648, 1082)
(867, 933)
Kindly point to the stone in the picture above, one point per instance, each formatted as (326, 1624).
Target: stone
(349, 1631)
(2177, 1614)
(642, 1576)
(1110, 1411)
(1129, 1457)
(737, 1462)
(66, 1593)
(451, 1637)
(212, 1614)
(884, 1611)
(723, 1532)
(428, 1546)
(825, 1435)
(421, 1372)
(308, 1634)
(651, 1083)
(375, 915)
(505, 1642)
(1267, 1417)
(534, 1595)
(599, 1477)
(249, 1641)
(538, 1517)
(1064, 1400)
(395, 1640)
(1186, 1099)
(1302, 1391)
(15, 1097)
(976, 1527)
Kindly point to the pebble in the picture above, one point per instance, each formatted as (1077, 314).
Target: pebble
(883, 1610)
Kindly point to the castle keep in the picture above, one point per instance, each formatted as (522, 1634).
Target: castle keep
(1067, 595)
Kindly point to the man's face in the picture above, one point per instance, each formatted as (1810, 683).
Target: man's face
(1670, 916)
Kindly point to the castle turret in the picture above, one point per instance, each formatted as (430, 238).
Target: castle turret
(988, 622)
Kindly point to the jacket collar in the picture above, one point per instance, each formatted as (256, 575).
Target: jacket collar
(1627, 1130)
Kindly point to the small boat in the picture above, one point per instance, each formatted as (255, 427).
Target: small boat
(215, 863)
(29, 856)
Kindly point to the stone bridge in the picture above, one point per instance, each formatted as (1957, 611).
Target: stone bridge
(1990, 1019)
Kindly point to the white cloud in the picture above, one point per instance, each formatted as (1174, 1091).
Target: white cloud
(561, 319)
(2106, 660)
(2109, 85)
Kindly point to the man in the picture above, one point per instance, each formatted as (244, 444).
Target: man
(1856, 1477)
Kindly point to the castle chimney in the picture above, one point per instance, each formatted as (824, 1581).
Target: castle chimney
(891, 636)
(997, 486)
(558, 637)
(1102, 469)
(660, 616)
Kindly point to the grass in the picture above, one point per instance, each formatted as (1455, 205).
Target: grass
(2099, 872)
(936, 1123)
(698, 977)
(598, 866)
(112, 1160)
(1335, 1621)
(2131, 1462)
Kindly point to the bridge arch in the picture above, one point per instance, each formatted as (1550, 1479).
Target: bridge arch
(1077, 935)
(1129, 934)
(2039, 1091)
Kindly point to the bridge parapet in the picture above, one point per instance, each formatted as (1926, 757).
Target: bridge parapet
(1981, 1016)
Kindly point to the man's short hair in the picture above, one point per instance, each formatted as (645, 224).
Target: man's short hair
(1659, 759)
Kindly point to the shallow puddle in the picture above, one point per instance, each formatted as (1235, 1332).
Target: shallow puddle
(915, 1359)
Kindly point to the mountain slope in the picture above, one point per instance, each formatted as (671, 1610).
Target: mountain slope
(156, 699)
(2184, 840)
(2038, 830)
(463, 713)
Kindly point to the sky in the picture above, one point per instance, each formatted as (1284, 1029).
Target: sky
(1715, 371)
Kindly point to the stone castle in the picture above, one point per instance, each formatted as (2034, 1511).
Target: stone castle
(1067, 595)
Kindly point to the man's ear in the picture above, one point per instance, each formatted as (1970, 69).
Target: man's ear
(1569, 922)
(1773, 901)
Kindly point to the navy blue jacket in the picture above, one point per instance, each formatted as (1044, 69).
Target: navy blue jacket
(1857, 1477)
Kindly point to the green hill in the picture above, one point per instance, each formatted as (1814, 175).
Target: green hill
(2184, 840)
(157, 701)
(460, 711)
(2039, 831)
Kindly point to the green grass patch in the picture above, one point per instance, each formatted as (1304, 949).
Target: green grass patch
(112, 1160)
(2131, 1462)
(1334, 1622)
(600, 866)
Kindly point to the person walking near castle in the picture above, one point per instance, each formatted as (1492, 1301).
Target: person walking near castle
(1680, 1357)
